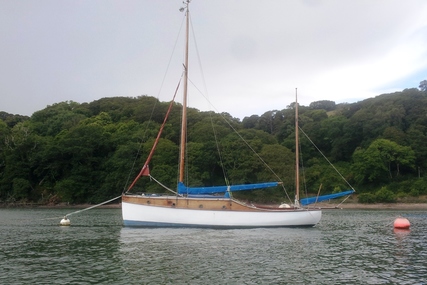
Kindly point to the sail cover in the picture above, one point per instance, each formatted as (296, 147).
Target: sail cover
(311, 200)
(182, 189)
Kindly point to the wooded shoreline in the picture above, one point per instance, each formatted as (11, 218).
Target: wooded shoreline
(378, 206)
(83, 153)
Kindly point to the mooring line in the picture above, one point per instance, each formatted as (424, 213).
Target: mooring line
(79, 211)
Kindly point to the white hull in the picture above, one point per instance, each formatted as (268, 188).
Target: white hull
(188, 211)
(155, 216)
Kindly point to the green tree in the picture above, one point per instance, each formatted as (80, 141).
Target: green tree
(53, 119)
(21, 189)
(20, 148)
(383, 158)
(4, 132)
(324, 104)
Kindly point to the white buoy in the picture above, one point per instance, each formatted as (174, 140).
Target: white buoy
(284, 205)
(65, 221)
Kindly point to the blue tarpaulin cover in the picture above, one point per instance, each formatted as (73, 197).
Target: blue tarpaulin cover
(182, 189)
(311, 200)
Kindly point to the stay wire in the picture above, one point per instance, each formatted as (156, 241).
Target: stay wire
(154, 107)
(327, 159)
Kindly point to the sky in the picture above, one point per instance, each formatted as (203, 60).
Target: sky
(247, 57)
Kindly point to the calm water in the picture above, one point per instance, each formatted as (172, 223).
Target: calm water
(347, 247)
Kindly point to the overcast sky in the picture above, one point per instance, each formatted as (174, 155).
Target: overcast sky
(253, 54)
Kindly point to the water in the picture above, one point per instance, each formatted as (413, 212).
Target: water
(347, 247)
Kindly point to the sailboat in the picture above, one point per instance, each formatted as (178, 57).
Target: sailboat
(204, 206)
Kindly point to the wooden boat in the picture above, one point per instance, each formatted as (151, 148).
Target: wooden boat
(202, 206)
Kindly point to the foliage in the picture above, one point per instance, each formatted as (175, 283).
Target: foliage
(324, 104)
(385, 196)
(383, 158)
(90, 152)
(381, 196)
(366, 198)
(420, 186)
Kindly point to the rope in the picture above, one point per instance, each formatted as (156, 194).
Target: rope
(79, 211)
(343, 201)
(164, 186)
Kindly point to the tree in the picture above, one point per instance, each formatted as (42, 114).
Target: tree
(53, 119)
(324, 104)
(423, 85)
(84, 152)
(250, 122)
(334, 138)
(381, 159)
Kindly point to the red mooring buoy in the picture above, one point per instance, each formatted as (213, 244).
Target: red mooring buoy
(401, 223)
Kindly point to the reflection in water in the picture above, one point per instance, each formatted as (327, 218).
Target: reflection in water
(355, 248)
(37, 250)
(347, 247)
(192, 255)
(401, 234)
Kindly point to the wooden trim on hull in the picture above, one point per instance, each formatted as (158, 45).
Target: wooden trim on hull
(215, 204)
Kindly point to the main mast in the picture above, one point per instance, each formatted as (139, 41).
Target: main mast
(296, 151)
(184, 101)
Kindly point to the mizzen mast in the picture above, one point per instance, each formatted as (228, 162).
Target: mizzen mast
(184, 101)
(296, 151)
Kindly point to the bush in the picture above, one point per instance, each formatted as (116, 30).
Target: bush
(414, 192)
(366, 198)
(385, 196)
(420, 185)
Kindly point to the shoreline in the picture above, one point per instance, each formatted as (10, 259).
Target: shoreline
(59, 206)
(325, 206)
(385, 206)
